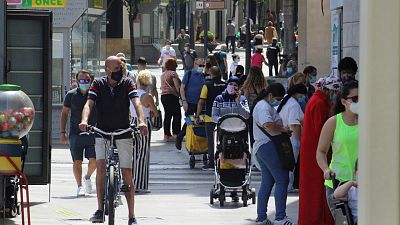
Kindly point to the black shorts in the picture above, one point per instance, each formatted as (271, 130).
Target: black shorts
(78, 143)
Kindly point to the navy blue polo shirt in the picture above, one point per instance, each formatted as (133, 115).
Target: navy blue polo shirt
(75, 101)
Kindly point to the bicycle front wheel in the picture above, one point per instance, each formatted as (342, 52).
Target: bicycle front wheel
(112, 186)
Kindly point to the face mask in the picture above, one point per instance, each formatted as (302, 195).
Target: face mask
(289, 70)
(200, 69)
(231, 89)
(354, 107)
(168, 47)
(313, 79)
(84, 87)
(274, 103)
(302, 98)
(187, 49)
(333, 97)
(117, 76)
(237, 60)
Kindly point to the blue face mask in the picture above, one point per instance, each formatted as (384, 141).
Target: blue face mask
(84, 87)
(302, 99)
(313, 79)
(274, 103)
(289, 71)
(200, 69)
(117, 76)
(333, 97)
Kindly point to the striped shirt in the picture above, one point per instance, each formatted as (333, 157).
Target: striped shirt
(112, 103)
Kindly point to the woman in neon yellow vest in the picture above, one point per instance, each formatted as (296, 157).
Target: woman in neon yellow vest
(341, 133)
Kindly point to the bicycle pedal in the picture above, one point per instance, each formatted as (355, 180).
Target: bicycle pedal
(125, 188)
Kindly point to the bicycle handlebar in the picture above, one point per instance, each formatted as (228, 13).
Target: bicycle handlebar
(93, 129)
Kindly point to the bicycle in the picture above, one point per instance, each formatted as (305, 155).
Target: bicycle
(113, 182)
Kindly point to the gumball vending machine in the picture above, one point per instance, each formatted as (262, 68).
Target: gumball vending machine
(16, 119)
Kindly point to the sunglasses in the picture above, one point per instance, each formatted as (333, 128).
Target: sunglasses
(353, 98)
(84, 81)
(201, 65)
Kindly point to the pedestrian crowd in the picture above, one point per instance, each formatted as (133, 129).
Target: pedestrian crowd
(320, 117)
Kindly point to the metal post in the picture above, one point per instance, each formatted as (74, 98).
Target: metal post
(205, 26)
(248, 47)
(192, 30)
(3, 43)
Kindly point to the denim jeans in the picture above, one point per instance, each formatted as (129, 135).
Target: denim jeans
(272, 173)
(210, 141)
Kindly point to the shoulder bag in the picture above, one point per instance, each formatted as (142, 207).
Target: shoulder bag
(283, 148)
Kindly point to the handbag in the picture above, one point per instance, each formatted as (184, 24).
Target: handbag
(283, 147)
(157, 121)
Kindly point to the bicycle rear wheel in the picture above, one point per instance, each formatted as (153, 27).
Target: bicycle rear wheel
(112, 186)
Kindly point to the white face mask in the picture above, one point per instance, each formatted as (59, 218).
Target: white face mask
(167, 47)
(187, 49)
(354, 107)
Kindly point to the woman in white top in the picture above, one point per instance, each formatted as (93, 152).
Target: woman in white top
(292, 116)
(141, 153)
(265, 117)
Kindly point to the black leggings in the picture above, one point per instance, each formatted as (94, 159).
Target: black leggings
(172, 109)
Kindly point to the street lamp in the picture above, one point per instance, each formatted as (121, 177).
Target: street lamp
(248, 47)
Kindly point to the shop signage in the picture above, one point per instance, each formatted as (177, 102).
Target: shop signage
(210, 5)
(44, 3)
(336, 27)
(14, 2)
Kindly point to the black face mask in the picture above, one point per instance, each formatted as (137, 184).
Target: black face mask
(117, 76)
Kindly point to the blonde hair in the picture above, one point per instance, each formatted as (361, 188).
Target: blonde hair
(143, 79)
(295, 79)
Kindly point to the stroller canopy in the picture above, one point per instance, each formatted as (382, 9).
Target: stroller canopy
(232, 123)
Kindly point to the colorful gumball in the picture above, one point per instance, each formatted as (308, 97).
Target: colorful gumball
(5, 134)
(12, 121)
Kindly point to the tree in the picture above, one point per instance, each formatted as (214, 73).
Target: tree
(133, 10)
(289, 43)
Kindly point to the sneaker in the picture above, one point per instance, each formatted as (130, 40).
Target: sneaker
(97, 217)
(88, 186)
(132, 221)
(80, 191)
(208, 167)
(264, 222)
(292, 190)
(178, 144)
(285, 221)
(173, 138)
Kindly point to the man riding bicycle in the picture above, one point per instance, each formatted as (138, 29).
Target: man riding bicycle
(111, 95)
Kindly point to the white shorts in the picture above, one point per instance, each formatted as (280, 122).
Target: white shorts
(125, 150)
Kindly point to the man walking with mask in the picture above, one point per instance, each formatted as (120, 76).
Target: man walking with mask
(182, 40)
(79, 144)
(190, 56)
(192, 83)
(167, 52)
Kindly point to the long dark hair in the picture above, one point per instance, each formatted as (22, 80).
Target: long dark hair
(344, 93)
(298, 88)
(276, 89)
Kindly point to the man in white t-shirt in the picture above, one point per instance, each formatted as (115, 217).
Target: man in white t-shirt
(167, 52)
(292, 116)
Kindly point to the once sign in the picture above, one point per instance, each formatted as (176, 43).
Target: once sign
(44, 3)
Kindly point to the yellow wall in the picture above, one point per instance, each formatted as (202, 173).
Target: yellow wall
(379, 196)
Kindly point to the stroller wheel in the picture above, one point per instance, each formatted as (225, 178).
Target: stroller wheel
(245, 196)
(205, 159)
(212, 196)
(222, 197)
(192, 161)
(253, 196)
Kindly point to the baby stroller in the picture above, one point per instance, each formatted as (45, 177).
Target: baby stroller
(233, 161)
(341, 211)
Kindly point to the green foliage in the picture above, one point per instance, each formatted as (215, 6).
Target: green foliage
(210, 35)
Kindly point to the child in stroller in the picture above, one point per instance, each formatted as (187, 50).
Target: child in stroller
(233, 171)
(346, 201)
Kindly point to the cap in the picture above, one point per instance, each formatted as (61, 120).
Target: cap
(120, 54)
(234, 79)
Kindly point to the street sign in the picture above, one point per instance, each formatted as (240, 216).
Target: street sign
(210, 5)
(14, 2)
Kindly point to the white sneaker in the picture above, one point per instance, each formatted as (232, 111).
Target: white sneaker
(88, 186)
(285, 221)
(80, 191)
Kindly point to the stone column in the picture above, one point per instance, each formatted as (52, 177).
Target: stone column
(379, 188)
